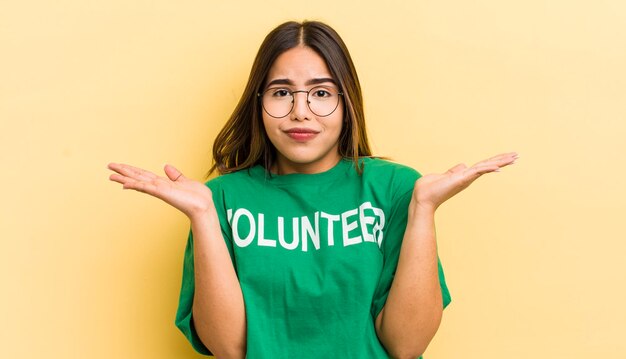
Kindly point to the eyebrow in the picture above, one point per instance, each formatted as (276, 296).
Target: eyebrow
(316, 81)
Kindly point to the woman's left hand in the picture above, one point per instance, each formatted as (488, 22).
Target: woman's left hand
(432, 190)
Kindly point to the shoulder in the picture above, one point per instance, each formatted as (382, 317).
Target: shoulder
(234, 179)
(389, 170)
(394, 179)
(377, 163)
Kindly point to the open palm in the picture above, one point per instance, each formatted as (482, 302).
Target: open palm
(189, 196)
(433, 189)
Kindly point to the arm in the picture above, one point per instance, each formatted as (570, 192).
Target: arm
(218, 308)
(412, 314)
(218, 311)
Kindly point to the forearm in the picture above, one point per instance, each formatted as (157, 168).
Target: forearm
(218, 307)
(412, 313)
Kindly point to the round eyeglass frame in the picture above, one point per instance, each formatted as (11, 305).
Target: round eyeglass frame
(293, 101)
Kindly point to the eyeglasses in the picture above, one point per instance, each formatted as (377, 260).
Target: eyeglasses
(278, 102)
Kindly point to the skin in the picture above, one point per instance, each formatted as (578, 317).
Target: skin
(302, 69)
(413, 311)
(218, 310)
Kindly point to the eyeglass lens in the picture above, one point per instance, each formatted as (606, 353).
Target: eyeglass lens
(279, 101)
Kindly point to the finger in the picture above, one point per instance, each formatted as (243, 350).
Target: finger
(141, 173)
(173, 173)
(132, 172)
(496, 159)
(127, 182)
(504, 155)
(118, 178)
(476, 171)
(500, 160)
(504, 161)
(122, 169)
(140, 186)
(498, 163)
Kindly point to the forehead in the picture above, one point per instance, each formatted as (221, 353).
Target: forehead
(299, 64)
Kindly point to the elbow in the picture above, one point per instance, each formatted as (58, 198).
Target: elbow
(223, 343)
(230, 353)
(411, 344)
(226, 349)
(406, 352)
(407, 339)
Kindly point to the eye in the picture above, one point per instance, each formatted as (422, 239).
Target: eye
(279, 92)
(321, 92)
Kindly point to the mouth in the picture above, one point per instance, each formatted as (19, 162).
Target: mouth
(301, 134)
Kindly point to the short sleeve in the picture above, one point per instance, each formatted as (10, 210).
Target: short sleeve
(392, 243)
(184, 320)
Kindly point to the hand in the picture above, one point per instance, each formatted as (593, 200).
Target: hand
(191, 197)
(432, 190)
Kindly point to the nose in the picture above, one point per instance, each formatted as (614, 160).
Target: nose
(301, 110)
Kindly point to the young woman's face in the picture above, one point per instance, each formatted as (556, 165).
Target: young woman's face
(305, 141)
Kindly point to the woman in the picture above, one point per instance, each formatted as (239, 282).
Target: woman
(306, 246)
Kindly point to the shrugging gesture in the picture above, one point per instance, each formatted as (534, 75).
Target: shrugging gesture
(413, 311)
(302, 113)
(218, 307)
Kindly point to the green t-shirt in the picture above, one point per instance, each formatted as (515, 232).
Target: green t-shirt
(315, 255)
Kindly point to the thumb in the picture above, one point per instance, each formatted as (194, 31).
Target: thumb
(172, 173)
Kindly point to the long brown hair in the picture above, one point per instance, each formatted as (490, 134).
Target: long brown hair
(243, 143)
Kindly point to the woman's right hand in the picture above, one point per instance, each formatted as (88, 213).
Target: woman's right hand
(191, 197)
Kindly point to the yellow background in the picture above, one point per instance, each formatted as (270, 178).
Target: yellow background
(534, 255)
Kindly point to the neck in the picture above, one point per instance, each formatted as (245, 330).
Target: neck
(282, 166)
